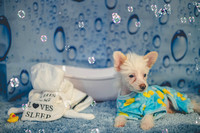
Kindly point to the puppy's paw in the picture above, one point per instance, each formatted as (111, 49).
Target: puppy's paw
(120, 121)
(90, 117)
(147, 122)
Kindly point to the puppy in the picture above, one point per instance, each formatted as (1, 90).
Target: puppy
(139, 101)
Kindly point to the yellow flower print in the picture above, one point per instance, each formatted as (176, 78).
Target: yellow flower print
(151, 92)
(160, 94)
(167, 92)
(148, 94)
(181, 96)
(161, 102)
(129, 101)
(122, 113)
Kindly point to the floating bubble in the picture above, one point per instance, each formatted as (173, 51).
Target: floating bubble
(67, 47)
(197, 121)
(96, 130)
(183, 20)
(137, 24)
(191, 19)
(160, 12)
(167, 8)
(27, 131)
(81, 24)
(197, 64)
(154, 8)
(91, 60)
(41, 131)
(165, 131)
(21, 14)
(24, 106)
(116, 18)
(14, 82)
(43, 38)
(130, 9)
(93, 103)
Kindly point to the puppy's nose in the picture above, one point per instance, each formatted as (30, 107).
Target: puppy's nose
(142, 86)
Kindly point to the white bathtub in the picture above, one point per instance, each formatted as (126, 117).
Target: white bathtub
(98, 83)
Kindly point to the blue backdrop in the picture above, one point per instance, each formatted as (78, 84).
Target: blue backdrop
(83, 33)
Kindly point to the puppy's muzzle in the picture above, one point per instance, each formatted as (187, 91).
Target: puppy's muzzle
(142, 86)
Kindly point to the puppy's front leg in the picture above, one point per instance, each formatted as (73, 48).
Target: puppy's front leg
(120, 121)
(147, 122)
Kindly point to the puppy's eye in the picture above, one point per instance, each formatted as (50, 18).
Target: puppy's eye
(145, 75)
(131, 76)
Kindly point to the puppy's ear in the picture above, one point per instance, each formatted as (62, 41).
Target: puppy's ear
(119, 59)
(151, 58)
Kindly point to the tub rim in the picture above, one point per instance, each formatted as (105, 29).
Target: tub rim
(90, 76)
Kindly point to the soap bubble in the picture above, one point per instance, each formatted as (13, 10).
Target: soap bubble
(154, 8)
(81, 24)
(43, 38)
(183, 20)
(197, 64)
(24, 106)
(191, 19)
(96, 130)
(130, 9)
(41, 131)
(165, 131)
(67, 47)
(21, 13)
(27, 131)
(137, 24)
(167, 8)
(14, 82)
(116, 18)
(91, 60)
(197, 121)
(93, 103)
(160, 13)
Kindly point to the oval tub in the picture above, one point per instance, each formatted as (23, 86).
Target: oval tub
(98, 83)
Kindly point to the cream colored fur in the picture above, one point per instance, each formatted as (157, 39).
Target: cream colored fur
(138, 66)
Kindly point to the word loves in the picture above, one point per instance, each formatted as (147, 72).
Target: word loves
(41, 106)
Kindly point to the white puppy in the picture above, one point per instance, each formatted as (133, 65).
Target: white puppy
(139, 101)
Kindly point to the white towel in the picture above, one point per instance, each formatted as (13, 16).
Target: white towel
(53, 96)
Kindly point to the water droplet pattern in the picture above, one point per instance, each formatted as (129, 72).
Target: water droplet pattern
(87, 36)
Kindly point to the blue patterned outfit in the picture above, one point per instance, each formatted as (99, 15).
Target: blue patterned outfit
(152, 101)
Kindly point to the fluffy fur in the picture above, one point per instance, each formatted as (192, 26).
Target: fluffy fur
(133, 70)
